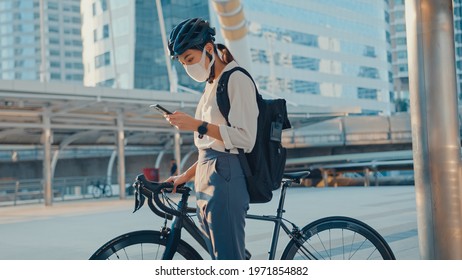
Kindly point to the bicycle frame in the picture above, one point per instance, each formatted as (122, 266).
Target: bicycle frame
(183, 222)
(346, 238)
(178, 223)
(278, 221)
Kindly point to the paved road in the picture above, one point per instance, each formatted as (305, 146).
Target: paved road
(74, 230)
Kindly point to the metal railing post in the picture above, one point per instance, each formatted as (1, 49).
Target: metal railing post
(16, 190)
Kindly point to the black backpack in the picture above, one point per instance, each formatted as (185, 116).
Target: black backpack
(264, 166)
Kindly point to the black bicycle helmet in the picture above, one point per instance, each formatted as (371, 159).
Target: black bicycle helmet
(188, 34)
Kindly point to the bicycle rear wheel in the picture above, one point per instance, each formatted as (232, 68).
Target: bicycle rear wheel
(142, 245)
(108, 190)
(338, 238)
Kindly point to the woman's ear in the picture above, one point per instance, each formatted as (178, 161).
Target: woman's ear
(209, 48)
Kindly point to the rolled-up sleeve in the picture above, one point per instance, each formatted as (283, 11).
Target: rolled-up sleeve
(243, 114)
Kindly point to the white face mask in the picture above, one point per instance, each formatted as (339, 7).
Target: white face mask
(197, 71)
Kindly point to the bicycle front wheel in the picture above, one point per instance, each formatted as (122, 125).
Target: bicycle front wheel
(338, 238)
(96, 191)
(142, 245)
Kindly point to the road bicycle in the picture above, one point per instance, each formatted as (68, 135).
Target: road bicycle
(98, 190)
(328, 238)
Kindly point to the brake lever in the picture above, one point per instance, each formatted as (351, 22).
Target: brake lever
(139, 197)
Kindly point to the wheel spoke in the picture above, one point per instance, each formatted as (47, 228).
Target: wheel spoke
(324, 247)
(359, 247)
(375, 250)
(351, 246)
(306, 252)
(142, 245)
(115, 253)
(126, 255)
(157, 252)
(339, 238)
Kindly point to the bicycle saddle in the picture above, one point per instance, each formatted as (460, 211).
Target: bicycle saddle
(296, 176)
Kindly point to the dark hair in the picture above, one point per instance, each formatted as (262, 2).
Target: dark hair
(225, 53)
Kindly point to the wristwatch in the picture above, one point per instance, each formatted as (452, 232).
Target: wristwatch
(202, 129)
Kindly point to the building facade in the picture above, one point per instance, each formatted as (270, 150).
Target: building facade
(31, 33)
(399, 51)
(337, 49)
(458, 43)
(123, 46)
(399, 54)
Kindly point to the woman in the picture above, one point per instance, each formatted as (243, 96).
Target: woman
(221, 192)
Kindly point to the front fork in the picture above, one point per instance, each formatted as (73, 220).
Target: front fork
(173, 235)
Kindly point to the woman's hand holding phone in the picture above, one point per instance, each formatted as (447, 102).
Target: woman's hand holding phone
(183, 121)
(180, 120)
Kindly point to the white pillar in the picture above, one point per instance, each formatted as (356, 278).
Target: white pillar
(367, 178)
(46, 141)
(178, 150)
(234, 30)
(110, 165)
(185, 159)
(121, 154)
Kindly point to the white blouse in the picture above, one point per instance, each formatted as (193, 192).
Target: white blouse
(242, 116)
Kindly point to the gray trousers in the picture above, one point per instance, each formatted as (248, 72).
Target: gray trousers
(222, 203)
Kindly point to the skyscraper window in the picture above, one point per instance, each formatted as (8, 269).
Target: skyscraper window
(103, 60)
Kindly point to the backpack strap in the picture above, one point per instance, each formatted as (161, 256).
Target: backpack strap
(222, 91)
(224, 107)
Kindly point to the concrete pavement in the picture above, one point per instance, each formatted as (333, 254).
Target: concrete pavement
(74, 230)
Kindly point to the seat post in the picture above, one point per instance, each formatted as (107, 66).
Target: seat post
(278, 220)
(282, 198)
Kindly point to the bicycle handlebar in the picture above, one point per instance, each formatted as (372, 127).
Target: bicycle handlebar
(154, 189)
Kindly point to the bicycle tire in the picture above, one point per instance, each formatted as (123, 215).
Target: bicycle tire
(343, 238)
(143, 244)
(96, 191)
(108, 190)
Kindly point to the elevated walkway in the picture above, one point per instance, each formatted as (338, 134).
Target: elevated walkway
(72, 109)
(352, 130)
(52, 118)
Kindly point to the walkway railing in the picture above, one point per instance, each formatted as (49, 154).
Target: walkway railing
(14, 192)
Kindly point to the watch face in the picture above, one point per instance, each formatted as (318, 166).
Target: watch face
(202, 129)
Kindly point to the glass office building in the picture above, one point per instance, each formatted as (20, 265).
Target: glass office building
(123, 46)
(399, 49)
(23, 43)
(333, 49)
(458, 43)
(330, 48)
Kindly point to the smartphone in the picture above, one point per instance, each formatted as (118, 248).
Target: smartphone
(160, 109)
